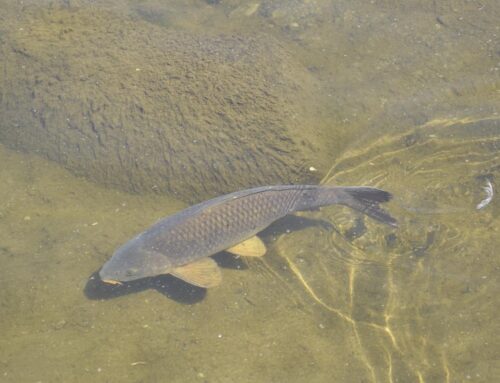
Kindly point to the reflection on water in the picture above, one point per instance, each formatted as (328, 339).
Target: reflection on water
(408, 103)
(415, 298)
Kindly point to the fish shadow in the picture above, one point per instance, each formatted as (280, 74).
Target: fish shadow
(173, 288)
(168, 285)
(291, 223)
(229, 261)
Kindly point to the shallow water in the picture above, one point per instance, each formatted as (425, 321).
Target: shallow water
(409, 103)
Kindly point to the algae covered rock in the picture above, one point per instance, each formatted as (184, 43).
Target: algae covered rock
(140, 107)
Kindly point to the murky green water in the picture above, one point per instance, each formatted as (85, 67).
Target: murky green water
(402, 97)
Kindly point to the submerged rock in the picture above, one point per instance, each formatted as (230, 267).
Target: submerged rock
(140, 107)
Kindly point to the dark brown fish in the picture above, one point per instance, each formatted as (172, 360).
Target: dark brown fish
(182, 243)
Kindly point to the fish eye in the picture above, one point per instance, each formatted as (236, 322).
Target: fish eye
(130, 272)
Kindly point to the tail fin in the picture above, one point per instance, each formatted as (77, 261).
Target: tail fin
(367, 200)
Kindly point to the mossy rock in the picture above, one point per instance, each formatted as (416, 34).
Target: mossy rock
(144, 108)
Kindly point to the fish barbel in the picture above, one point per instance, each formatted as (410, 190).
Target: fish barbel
(181, 244)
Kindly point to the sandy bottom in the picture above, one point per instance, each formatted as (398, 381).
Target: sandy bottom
(337, 298)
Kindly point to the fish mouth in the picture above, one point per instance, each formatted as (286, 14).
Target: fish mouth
(112, 282)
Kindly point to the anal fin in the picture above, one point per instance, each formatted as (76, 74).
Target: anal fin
(202, 273)
(252, 247)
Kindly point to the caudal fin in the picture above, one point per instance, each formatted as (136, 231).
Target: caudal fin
(367, 200)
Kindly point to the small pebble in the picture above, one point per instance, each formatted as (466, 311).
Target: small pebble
(137, 363)
(59, 325)
(252, 9)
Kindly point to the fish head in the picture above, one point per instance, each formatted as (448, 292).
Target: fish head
(134, 261)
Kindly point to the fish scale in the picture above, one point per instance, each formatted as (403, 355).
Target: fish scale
(220, 226)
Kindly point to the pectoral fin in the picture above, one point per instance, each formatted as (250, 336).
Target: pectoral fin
(252, 247)
(203, 273)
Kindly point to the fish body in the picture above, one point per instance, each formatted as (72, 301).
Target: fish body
(180, 244)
